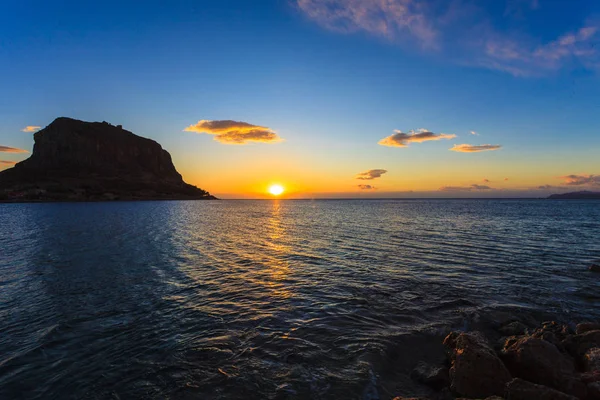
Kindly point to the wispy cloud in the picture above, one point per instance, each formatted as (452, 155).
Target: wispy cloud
(473, 133)
(31, 128)
(7, 162)
(391, 19)
(486, 180)
(6, 149)
(401, 139)
(505, 179)
(470, 148)
(235, 132)
(432, 25)
(581, 180)
(471, 188)
(371, 174)
(366, 187)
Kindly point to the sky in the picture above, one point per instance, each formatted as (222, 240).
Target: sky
(329, 98)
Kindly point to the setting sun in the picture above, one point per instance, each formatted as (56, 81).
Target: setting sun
(276, 190)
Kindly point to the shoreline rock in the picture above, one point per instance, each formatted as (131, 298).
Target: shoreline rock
(550, 362)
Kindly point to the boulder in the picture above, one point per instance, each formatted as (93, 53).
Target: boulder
(518, 389)
(476, 371)
(578, 345)
(559, 331)
(432, 376)
(540, 362)
(591, 360)
(586, 327)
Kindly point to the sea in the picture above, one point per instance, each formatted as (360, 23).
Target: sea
(281, 299)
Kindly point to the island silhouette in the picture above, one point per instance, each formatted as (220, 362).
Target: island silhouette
(75, 160)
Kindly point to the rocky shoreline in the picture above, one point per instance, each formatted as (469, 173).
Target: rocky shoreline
(517, 361)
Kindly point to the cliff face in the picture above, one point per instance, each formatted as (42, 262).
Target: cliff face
(80, 160)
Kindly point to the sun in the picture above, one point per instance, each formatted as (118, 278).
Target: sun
(276, 190)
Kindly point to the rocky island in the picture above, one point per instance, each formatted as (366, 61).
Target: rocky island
(75, 160)
(585, 195)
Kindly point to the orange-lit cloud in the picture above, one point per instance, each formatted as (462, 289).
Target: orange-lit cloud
(7, 162)
(486, 180)
(473, 133)
(366, 187)
(579, 180)
(470, 148)
(235, 132)
(6, 149)
(371, 174)
(31, 128)
(401, 139)
(464, 188)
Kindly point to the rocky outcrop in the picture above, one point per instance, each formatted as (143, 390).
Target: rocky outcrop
(551, 362)
(77, 160)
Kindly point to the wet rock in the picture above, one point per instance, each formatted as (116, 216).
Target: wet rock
(432, 376)
(476, 371)
(518, 389)
(586, 327)
(560, 331)
(409, 398)
(591, 360)
(578, 345)
(540, 362)
(487, 398)
(513, 329)
(595, 268)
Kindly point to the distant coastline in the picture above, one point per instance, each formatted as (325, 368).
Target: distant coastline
(584, 195)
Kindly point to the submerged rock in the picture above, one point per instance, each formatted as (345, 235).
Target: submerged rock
(476, 371)
(513, 329)
(595, 268)
(429, 375)
(519, 389)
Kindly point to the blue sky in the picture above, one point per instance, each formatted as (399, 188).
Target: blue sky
(332, 78)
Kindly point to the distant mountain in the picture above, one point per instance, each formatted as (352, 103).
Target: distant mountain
(577, 195)
(82, 161)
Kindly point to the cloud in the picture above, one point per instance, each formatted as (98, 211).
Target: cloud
(470, 148)
(486, 180)
(7, 162)
(235, 132)
(549, 187)
(366, 187)
(471, 188)
(466, 32)
(579, 180)
(401, 139)
(505, 179)
(31, 128)
(473, 133)
(6, 149)
(371, 174)
(391, 19)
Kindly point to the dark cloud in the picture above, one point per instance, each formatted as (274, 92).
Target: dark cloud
(580, 180)
(486, 180)
(471, 188)
(371, 174)
(235, 132)
(401, 139)
(6, 149)
(470, 148)
(366, 187)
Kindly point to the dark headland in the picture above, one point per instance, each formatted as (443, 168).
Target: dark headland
(585, 195)
(75, 160)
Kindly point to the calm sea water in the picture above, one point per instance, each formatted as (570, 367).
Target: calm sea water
(271, 299)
